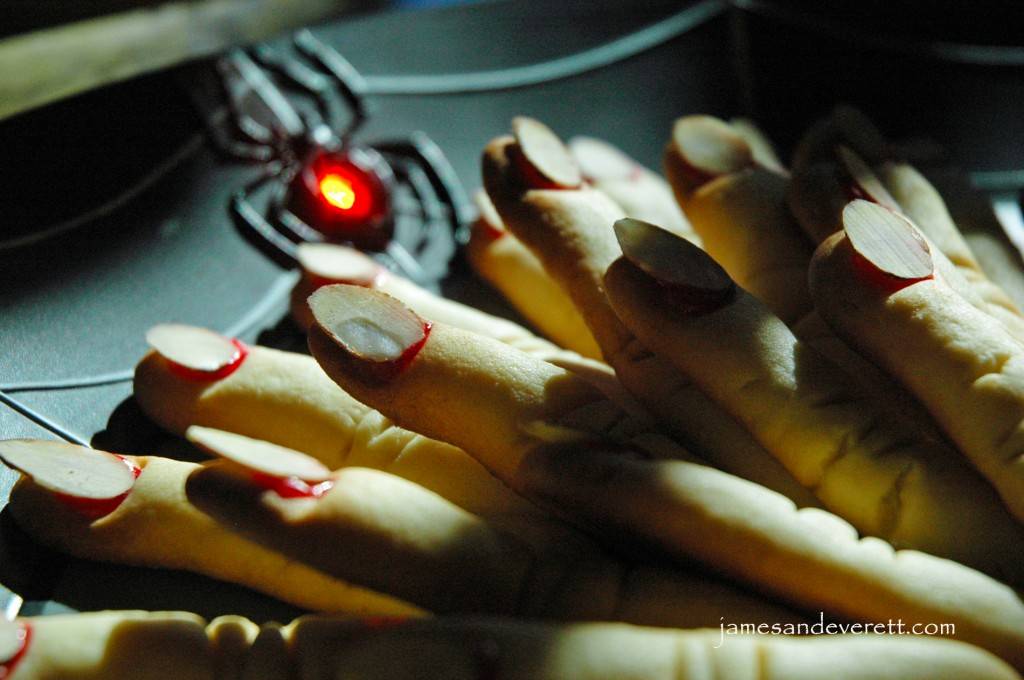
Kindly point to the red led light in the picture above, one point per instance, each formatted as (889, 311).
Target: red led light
(346, 191)
(345, 196)
(338, 191)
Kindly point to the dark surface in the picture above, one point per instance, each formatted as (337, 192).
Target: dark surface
(77, 305)
(951, 71)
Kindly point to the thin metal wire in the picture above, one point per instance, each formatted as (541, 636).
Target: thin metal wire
(257, 313)
(556, 69)
(41, 420)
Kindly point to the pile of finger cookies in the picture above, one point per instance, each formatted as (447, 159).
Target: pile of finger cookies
(758, 395)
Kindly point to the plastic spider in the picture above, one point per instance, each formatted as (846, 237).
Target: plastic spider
(399, 199)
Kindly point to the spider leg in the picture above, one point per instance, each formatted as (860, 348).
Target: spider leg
(256, 229)
(351, 84)
(441, 174)
(308, 81)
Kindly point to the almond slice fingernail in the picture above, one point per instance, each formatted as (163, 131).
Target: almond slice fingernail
(90, 481)
(864, 183)
(599, 160)
(15, 637)
(258, 455)
(326, 263)
(196, 353)
(709, 148)
(547, 162)
(698, 282)
(289, 472)
(380, 333)
(888, 243)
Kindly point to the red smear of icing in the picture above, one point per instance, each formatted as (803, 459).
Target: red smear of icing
(218, 374)
(868, 273)
(7, 667)
(94, 508)
(291, 487)
(317, 281)
(489, 230)
(412, 350)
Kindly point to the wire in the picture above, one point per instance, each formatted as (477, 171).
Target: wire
(266, 304)
(41, 420)
(107, 207)
(544, 72)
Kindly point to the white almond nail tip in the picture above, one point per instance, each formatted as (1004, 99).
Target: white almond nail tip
(257, 455)
(192, 347)
(68, 469)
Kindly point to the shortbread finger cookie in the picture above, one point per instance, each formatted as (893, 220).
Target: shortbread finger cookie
(383, 530)
(502, 261)
(286, 399)
(972, 235)
(325, 263)
(153, 524)
(757, 536)
(640, 193)
(860, 459)
(921, 202)
(740, 212)
(819, 194)
(687, 509)
(569, 229)
(135, 645)
(962, 364)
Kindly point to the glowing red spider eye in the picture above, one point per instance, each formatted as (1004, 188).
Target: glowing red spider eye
(337, 191)
(346, 197)
(346, 191)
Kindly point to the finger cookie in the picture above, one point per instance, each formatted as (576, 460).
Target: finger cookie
(687, 509)
(962, 364)
(500, 259)
(136, 645)
(372, 528)
(150, 522)
(860, 459)
(739, 210)
(286, 399)
(324, 263)
(840, 156)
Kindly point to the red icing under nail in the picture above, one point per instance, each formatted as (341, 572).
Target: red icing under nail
(412, 350)
(219, 374)
(871, 275)
(8, 667)
(489, 229)
(291, 487)
(94, 508)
